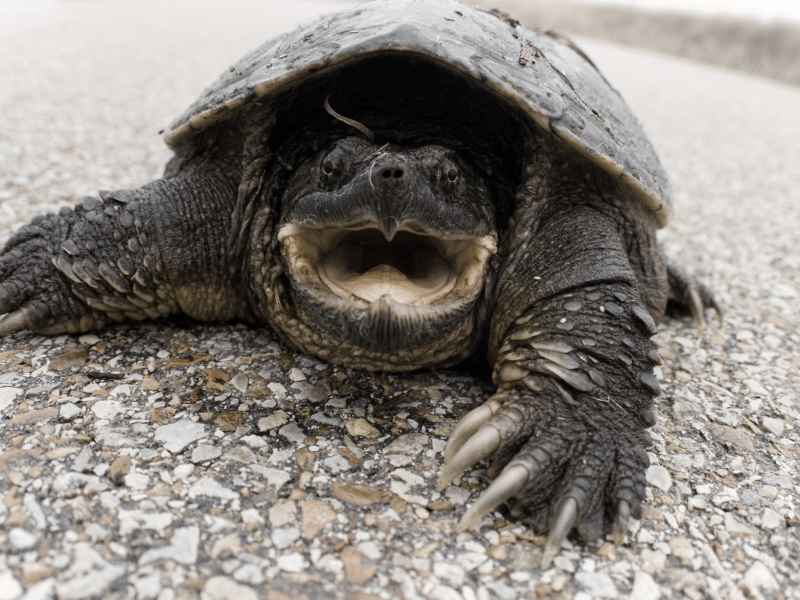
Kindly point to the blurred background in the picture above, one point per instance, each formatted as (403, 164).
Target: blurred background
(755, 36)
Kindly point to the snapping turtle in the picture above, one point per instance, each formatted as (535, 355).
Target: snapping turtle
(400, 186)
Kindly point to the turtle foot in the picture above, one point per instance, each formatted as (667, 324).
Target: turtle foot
(559, 472)
(692, 294)
(564, 434)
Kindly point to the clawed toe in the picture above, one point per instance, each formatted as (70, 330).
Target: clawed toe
(621, 521)
(506, 486)
(692, 294)
(479, 446)
(564, 520)
(471, 422)
(700, 299)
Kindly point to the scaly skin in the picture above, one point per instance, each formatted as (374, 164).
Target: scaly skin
(131, 254)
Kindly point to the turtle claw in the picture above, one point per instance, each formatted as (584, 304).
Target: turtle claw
(468, 425)
(621, 522)
(507, 485)
(700, 299)
(479, 446)
(692, 294)
(13, 322)
(697, 309)
(564, 519)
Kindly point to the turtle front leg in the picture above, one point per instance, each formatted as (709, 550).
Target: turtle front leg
(566, 429)
(85, 266)
(132, 254)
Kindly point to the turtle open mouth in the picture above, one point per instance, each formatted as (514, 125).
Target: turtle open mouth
(385, 292)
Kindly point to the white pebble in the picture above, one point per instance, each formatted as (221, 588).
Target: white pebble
(771, 519)
(240, 382)
(644, 587)
(7, 395)
(292, 563)
(759, 577)
(205, 452)
(69, 411)
(225, 588)
(453, 574)
(182, 471)
(776, 426)
(21, 539)
(175, 437)
(599, 585)
(296, 374)
(659, 477)
(285, 537)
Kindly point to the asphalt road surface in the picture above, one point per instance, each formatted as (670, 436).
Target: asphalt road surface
(180, 460)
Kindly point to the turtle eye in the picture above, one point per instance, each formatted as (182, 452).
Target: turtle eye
(333, 166)
(448, 174)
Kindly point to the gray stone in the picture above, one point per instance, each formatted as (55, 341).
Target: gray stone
(89, 575)
(736, 527)
(275, 477)
(775, 426)
(85, 461)
(69, 411)
(108, 409)
(273, 421)
(137, 481)
(598, 585)
(452, 574)
(659, 477)
(240, 382)
(183, 548)
(293, 433)
(249, 573)
(225, 588)
(294, 562)
(285, 537)
(147, 587)
(210, 487)
(21, 539)
(409, 444)
(296, 374)
(307, 391)
(240, 454)
(771, 519)
(175, 437)
(41, 590)
(755, 387)
(205, 452)
(7, 395)
(759, 578)
(443, 592)
(10, 588)
(644, 587)
(31, 504)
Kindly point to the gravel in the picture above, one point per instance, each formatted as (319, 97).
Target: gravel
(189, 461)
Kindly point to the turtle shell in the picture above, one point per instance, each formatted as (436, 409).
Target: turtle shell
(543, 74)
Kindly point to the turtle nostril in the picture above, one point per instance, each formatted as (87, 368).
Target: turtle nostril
(393, 172)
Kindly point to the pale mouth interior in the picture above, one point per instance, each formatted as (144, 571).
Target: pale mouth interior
(415, 268)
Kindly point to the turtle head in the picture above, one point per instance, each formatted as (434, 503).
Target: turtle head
(386, 251)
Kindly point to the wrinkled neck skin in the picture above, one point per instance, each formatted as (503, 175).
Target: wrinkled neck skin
(385, 249)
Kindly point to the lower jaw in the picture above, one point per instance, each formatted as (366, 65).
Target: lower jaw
(386, 327)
